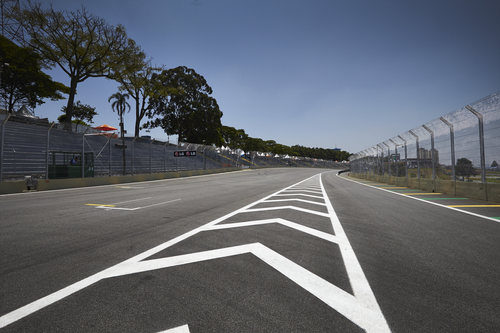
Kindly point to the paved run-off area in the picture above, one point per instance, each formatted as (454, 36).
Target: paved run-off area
(275, 250)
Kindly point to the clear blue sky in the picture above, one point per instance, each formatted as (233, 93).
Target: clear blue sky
(317, 73)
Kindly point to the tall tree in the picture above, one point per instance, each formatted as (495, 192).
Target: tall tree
(81, 44)
(83, 114)
(135, 78)
(464, 168)
(120, 106)
(234, 138)
(22, 80)
(181, 104)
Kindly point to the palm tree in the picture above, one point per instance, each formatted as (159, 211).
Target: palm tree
(120, 105)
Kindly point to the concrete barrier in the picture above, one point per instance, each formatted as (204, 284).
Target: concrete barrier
(480, 191)
(55, 184)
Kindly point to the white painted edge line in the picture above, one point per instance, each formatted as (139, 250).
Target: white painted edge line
(429, 202)
(133, 183)
(41, 303)
(338, 299)
(313, 232)
(299, 200)
(357, 278)
(309, 211)
(179, 329)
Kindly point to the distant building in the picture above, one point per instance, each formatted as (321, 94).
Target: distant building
(425, 157)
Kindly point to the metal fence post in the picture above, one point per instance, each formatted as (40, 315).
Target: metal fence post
(83, 155)
(150, 155)
(481, 147)
(433, 163)
(109, 156)
(406, 158)
(165, 157)
(133, 155)
(395, 156)
(481, 141)
(47, 147)
(204, 158)
(388, 158)
(452, 148)
(381, 160)
(2, 143)
(418, 154)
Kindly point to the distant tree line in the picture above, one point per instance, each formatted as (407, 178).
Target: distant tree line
(238, 139)
(84, 46)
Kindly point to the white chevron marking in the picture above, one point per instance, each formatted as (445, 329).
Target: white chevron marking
(296, 226)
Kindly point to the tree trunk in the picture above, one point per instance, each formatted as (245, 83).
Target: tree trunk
(69, 106)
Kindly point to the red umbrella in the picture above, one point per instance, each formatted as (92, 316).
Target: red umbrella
(105, 128)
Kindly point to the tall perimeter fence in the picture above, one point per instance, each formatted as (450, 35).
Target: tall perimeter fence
(458, 153)
(33, 147)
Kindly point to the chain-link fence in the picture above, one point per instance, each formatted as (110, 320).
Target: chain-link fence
(461, 147)
(38, 148)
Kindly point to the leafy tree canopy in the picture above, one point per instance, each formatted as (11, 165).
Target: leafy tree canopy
(464, 167)
(181, 104)
(83, 114)
(22, 80)
(81, 44)
(238, 139)
(135, 78)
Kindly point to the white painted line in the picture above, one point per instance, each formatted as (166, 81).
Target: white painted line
(122, 202)
(309, 211)
(157, 204)
(429, 202)
(180, 329)
(343, 302)
(312, 188)
(304, 191)
(357, 278)
(296, 194)
(293, 225)
(135, 208)
(361, 308)
(41, 303)
(299, 200)
(300, 209)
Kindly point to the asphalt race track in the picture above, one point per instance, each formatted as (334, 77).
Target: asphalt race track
(270, 250)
